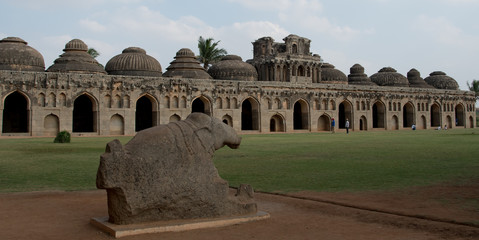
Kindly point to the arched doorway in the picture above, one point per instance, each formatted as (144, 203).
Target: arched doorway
(174, 118)
(84, 114)
(408, 115)
(228, 120)
(435, 115)
(300, 115)
(363, 123)
(324, 123)
(51, 125)
(448, 122)
(395, 123)
(345, 112)
(144, 115)
(378, 115)
(276, 123)
(249, 115)
(15, 114)
(459, 113)
(423, 123)
(471, 122)
(117, 125)
(202, 105)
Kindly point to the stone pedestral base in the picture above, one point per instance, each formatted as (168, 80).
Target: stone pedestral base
(118, 231)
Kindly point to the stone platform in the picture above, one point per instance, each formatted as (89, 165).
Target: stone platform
(118, 231)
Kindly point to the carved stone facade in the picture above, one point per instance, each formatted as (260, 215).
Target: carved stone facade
(293, 93)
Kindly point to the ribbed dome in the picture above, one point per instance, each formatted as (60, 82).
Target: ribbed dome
(331, 75)
(76, 59)
(232, 67)
(358, 77)
(388, 76)
(440, 80)
(16, 55)
(415, 79)
(185, 65)
(133, 61)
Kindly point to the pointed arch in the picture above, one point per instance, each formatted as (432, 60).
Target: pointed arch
(228, 120)
(379, 114)
(301, 115)
(107, 101)
(395, 123)
(250, 114)
(448, 122)
(422, 123)
(146, 112)
(408, 115)
(201, 104)
(51, 125)
(471, 122)
(460, 115)
(41, 100)
(52, 100)
(174, 118)
(126, 101)
(324, 123)
(117, 125)
(345, 113)
(62, 100)
(16, 111)
(116, 101)
(363, 123)
(85, 113)
(435, 115)
(183, 102)
(277, 123)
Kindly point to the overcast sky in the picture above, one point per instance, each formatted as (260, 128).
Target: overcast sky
(428, 35)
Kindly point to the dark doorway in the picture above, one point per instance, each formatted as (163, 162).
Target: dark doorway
(198, 106)
(378, 115)
(15, 114)
(246, 115)
(144, 114)
(272, 125)
(298, 116)
(83, 114)
(435, 116)
(408, 115)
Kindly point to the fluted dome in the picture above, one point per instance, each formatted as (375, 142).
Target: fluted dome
(388, 76)
(185, 65)
(358, 77)
(16, 55)
(76, 59)
(133, 61)
(415, 79)
(232, 67)
(440, 80)
(331, 75)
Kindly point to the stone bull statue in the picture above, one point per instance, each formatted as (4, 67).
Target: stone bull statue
(166, 172)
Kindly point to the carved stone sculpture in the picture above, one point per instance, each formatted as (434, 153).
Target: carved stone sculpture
(166, 172)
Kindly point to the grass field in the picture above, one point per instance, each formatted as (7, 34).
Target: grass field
(373, 160)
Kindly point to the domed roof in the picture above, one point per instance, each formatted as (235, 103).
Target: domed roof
(16, 55)
(232, 67)
(185, 65)
(415, 79)
(133, 61)
(358, 77)
(440, 80)
(331, 75)
(76, 59)
(388, 76)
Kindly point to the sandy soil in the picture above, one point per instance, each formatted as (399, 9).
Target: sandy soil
(436, 212)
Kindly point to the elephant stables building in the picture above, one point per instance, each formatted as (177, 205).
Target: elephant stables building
(284, 88)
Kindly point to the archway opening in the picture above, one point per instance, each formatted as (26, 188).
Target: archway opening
(276, 123)
(363, 123)
(201, 104)
(435, 115)
(83, 114)
(408, 115)
(249, 115)
(324, 123)
(345, 112)
(228, 120)
(378, 115)
(395, 123)
(15, 114)
(174, 118)
(117, 125)
(448, 122)
(459, 114)
(143, 114)
(300, 115)
(423, 122)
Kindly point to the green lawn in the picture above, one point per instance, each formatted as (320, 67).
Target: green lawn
(270, 162)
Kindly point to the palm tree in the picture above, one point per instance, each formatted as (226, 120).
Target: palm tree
(93, 52)
(209, 53)
(474, 86)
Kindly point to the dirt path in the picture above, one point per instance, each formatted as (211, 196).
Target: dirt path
(65, 215)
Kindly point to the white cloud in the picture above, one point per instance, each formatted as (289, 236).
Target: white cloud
(92, 25)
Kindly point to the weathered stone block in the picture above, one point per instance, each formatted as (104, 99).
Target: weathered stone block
(166, 172)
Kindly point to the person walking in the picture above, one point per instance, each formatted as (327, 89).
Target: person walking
(332, 124)
(346, 125)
